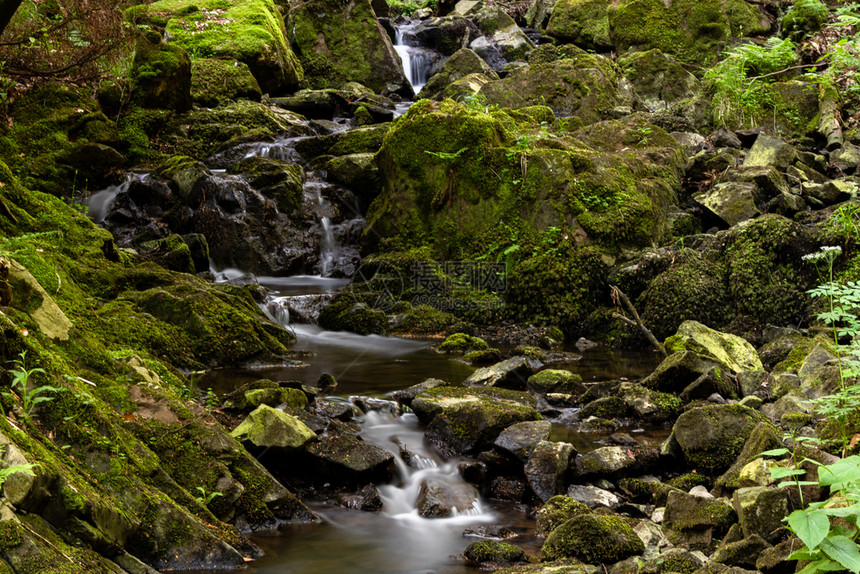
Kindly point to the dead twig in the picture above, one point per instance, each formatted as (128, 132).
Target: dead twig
(618, 296)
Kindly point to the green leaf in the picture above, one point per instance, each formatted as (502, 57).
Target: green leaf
(782, 472)
(820, 565)
(810, 526)
(843, 550)
(775, 452)
(840, 472)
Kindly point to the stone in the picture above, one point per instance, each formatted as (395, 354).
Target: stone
(406, 396)
(266, 427)
(768, 151)
(494, 552)
(216, 82)
(677, 371)
(730, 202)
(787, 404)
(750, 381)
(546, 468)
(607, 462)
(756, 473)
(733, 352)
(691, 142)
(461, 63)
(439, 497)
(339, 43)
(555, 381)
(846, 158)
(761, 510)
(29, 296)
(510, 374)
(712, 437)
(593, 540)
(592, 496)
(724, 138)
(659, 80)
(741, 553)
(520, 439)
(161, 74)
(715, 381)
(539, 13)
(765, 436)
(501, 28)
(346, 458)
(649, 405)
(556, 511)
(685, 512)
(464, 420)
(829, 193)
(581, 22)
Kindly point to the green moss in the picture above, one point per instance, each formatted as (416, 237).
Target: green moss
(217, 82)
(581, 22)
(593, 539)
(556, 511)
(687, 481)
(494, 551)
(460, 342)
(804, 18)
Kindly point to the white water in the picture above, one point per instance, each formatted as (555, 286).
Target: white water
(101, 202)
(415, 61)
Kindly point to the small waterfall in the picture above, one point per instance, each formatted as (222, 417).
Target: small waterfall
(328, 243)
(100, 202)
(425, 468)
(416, 62)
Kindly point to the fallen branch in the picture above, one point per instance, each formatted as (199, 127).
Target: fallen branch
(619, 296)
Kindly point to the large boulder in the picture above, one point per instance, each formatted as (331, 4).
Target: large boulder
(251, 32)
(216, 82)
(734, 353)
(584, 85)
(346, 458)
(581, 22)
(343, 42)
(692, 30)
(267, 427)
(501, 28)
(521, 439)
(161, 74)
(461, 63)
(660, 80)
(712, 437)
(468, 420)
(439, 498)
(546, 468)
(593, 540)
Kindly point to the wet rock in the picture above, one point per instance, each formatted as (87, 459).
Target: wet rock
(508, 489)
(712, 437)
(345, 43)
(698, 520)
(761, 510)
(585, 86)
(485, 552)
(593, 539)
(733, 352)
(677, 371)
(509, 374)
(558, 510)
(266, 427)
(771, 152)
(660, 81)
(730, 202)
(606, 462)
(546, 468)
(467, 420)
(448, 34)
(605, 408)
(649, 405)
(520, 439)
(406, 396)
(592, 496)
(555, 381)
(346, 458)
(581, 22)
(366, 499)
(337, 410)
(742, 553)
(439, 497)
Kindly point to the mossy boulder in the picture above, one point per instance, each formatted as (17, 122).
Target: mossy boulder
(344, 458)
(504, 32)
(520, 439)
(660, 80)
(585, 85)
(712, 437)
(687, 512)
(581, 22)
(459, 65)
(217, 82)
(267, 427)
(339, 43)
(345, 313)
(691, 30)
(733, 352)
(804, 18)
(547, 468)
(465, 420)
(251, 32)
(558, 510)
(593, 539)
(494, 552)
(171, 252)
(461, 343)
(161, 74)
(555, 381)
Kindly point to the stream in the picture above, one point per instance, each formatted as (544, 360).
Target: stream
(396, 539)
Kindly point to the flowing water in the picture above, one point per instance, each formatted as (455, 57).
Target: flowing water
(415, 60)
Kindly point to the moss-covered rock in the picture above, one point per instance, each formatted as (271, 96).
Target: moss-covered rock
(266, 427)
(495, 552)
(804, 18)
(216, 82)
(461, 63)
(558, 510)
(339, 43)
(733, 352)
(467, 420)
(581, 22)
(555, 381)
(691, 30)
(660, 80)
(593, 539)
(461, 343)
(584, 85)
(712, 437)
(161, 74)
(251, 32)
